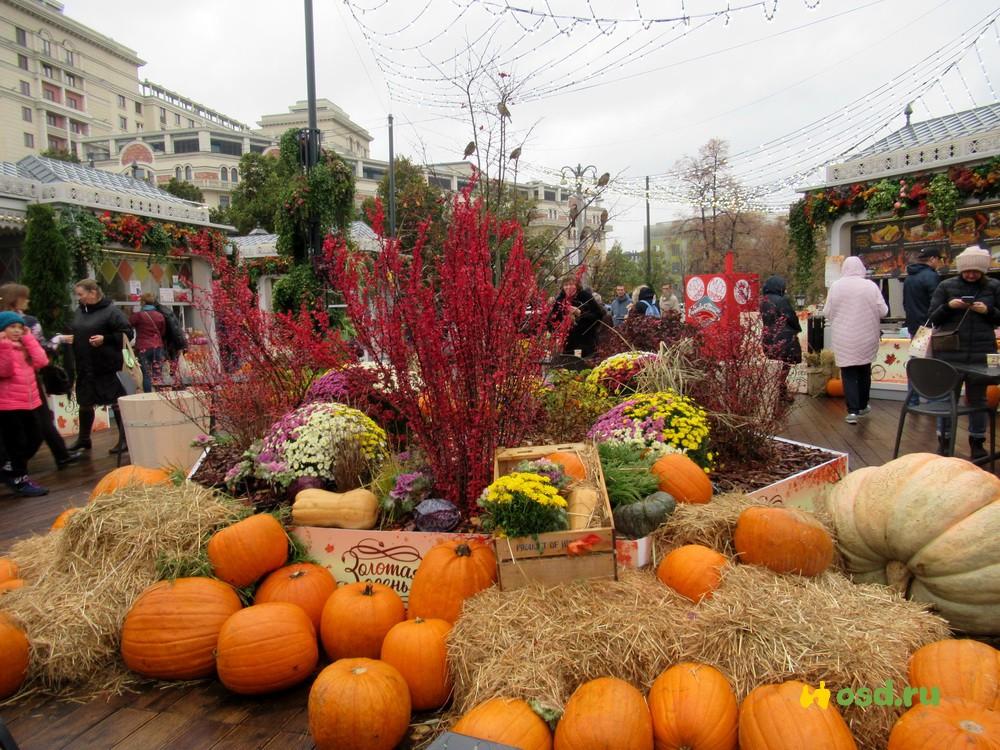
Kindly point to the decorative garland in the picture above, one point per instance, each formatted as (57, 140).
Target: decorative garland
(161, 240)
(273, 266)
(802, 239)
(936, 197)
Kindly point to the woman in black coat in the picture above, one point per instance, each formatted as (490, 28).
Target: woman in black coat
(780, 335)
(587, 316)
(99, 330)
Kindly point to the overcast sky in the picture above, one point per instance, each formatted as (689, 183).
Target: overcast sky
(630, 97)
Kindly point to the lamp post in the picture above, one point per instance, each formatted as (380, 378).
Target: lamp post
(578, 173)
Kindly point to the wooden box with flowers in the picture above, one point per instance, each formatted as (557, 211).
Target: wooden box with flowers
(550, 515)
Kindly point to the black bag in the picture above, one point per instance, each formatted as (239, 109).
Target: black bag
(174, 339)
(55, 380)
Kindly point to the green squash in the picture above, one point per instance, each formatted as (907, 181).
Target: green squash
(640, 519)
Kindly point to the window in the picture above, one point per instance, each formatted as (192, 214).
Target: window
(157, 146)
(187, 173)
(227, 147)
(26, 114)
(177, 119)
(49, 94)
(21, 36)
(73, 102)
(47, 71)
(224, 174)
(138, 108)
(70, 57)
(47, 47)
(550, 195)
(121, 101)
(53, 120)
(223, 201)
(138, 126)
(234, 175)
(25, 88)
(177, 174)
(190, 123)
(57, 144)
(78, 127)
(163, 116)
(22, 62)
(29, 140)
(123, 123)
(255, 149)
(186, 146)
(71, 80)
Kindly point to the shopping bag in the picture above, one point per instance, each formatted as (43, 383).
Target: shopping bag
(130, 363)
(920, 344)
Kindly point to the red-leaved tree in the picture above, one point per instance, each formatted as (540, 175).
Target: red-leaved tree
(463, 344)
(259, 364)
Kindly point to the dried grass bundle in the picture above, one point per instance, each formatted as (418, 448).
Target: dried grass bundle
(81, 581)
(758, 627)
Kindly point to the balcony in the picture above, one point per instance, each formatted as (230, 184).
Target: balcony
(206, 184)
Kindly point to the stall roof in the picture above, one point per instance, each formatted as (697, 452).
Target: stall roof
(957, 125)
(264, 245)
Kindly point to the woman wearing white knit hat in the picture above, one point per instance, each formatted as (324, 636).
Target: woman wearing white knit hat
(970, 304)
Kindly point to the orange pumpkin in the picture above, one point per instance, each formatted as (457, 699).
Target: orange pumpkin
(507, 721)
(265, 648)
(784, 540)
(693, 571)
(951, 724)
(604, 713)
(124, 476)
(570, 462)
(693, 706)
(993, 396)
(359, 704)
(419, 650)
(171, 631)
(8, 569)
(306, 584)
(11, 584)
(964, 669)
(449, 574)
(243, 552)
(835, 387)
(14, 651)
(356, 619)
(62, 519)
(773, 718)
(682, 478)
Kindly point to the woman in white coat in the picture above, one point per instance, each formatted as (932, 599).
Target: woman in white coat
(854, 306)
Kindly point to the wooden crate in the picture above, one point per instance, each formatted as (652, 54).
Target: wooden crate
(551, 559)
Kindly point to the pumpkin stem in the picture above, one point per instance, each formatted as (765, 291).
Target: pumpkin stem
(971, 727)
(369, 590)
(898, 576)
(359, 670)
(463, 550)
(297, 574)
(418, 620)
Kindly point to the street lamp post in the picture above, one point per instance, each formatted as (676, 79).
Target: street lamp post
(578, 172)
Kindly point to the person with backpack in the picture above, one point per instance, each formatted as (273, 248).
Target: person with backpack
(645, 303)
(174, 340)
(150, 328)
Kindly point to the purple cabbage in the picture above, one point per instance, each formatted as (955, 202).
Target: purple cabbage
(435, 514)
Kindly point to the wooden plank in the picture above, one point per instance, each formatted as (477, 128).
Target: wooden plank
(549, 571)
(198, 733)
(298, 723)
(112, 729)
(160, 731)
(49, 714)
(160, 696)
(277, 709)
(213, 702)
(77, 722)
(289, 741)
(246, 736)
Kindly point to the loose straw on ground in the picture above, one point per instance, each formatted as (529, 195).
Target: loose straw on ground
(81, 580)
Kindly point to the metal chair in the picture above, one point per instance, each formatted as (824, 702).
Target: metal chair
(936, 380)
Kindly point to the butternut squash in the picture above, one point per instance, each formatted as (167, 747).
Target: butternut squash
(580, 505)
(356, 509)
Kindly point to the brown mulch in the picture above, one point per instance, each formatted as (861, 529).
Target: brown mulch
(787, 459)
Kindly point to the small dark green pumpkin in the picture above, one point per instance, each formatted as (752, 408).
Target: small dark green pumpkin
(640, 519)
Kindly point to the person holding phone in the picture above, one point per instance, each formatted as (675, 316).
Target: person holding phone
(969, 304)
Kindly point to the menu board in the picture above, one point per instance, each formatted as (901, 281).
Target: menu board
(887, 247)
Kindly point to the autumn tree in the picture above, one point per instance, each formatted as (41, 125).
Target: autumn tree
(417, 201)
(255, 200)
(763, 248)
(185, 190)
(719, 205)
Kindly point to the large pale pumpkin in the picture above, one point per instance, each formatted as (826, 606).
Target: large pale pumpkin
(247, 550)
(124, 476)
(964, 669)
(266, 648)
(507, 721)
(172, 629)
(356, 619)
(419, 650)
(682, 478)
(14, 651)
(785, 540)
(693, 706)
(951, 725)
(449, 574)
(693, 571)
(605, 713)
(359, 704)
(773, 718)
(306, 584)
(928, 526)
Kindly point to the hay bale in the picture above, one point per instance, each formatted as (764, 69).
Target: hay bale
(82, 580)
(758, 627)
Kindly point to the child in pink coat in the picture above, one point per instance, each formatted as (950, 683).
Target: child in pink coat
(20, 357)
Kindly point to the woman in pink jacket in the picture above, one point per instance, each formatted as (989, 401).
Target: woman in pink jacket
(854, 306)
(20, 357)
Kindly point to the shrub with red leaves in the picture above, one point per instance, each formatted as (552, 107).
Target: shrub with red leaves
(461, 343)
(260, 364)
(644, 334)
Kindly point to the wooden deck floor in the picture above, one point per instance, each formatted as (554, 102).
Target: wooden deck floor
(206, 715)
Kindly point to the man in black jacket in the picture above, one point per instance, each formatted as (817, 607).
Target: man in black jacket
(586, 313)
(918, 287)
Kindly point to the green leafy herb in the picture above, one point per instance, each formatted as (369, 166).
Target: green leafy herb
(627, 475)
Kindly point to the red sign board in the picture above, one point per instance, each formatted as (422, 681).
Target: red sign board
(713, 297)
